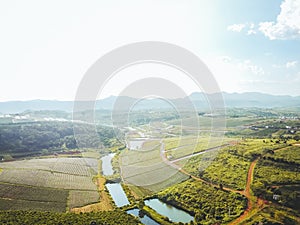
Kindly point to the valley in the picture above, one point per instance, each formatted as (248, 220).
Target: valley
(159, 172)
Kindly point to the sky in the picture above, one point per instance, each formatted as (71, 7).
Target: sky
(46, 47)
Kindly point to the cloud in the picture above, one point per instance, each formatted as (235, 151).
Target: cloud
(236, 27)
(287, 24)
(251, 29)
(248, 27)
(247, 65)
(291, 64)
(287, 65)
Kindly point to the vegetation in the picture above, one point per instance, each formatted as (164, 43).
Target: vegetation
(230, 166)
(18, 204)
(209, 205)
(65, 177)
(155, 216)
(40, 218)
(42, 138)
(227, 169)
(274, 215)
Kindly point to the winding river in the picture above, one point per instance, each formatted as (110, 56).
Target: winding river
(107, 168)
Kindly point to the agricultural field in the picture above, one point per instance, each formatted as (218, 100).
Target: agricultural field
(147, 169)
(20, 197)
(187, 145)
(74, 166)
(82, 198)
(150, 145)
(12, 191)
(48, 184)
(17, 204)
(43, 178)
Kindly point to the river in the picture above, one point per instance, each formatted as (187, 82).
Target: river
(107, 168)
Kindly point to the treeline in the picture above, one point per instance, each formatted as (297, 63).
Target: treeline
(51, 218)
(25, 139)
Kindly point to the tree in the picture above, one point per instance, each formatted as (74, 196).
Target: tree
(141, 204)
(221, 186)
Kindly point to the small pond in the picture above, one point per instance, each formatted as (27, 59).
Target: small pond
(117, 193)
(174, 214)
(143, 218)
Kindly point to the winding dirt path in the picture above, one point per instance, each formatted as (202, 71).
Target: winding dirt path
(254, 203)
(248, 195)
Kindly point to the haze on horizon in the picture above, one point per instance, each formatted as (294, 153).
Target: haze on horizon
(46, 47)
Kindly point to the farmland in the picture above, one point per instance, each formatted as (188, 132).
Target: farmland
(48, 184)
(146, 168)
(16, 197)
(180, 147)
(215, 186)
(80, 198)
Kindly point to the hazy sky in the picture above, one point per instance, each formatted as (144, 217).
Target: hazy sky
(47, 46)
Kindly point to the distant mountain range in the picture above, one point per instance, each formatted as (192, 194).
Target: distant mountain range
(244, 100)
